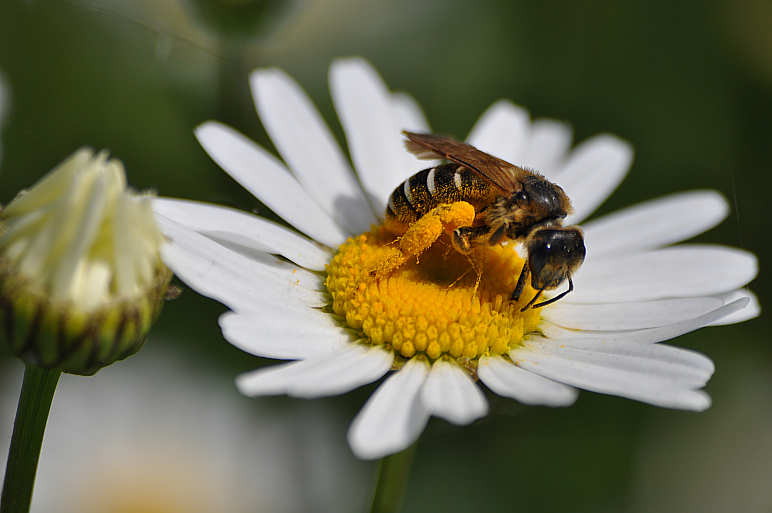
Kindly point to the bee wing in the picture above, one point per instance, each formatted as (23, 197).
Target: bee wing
(499, 172)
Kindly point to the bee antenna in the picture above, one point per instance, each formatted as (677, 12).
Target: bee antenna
(532, 301)
(520, 283)
(556, 298)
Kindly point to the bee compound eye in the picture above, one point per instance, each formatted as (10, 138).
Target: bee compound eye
(539, 256)
(521, 197)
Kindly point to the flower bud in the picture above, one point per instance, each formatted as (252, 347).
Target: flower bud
(81, 278)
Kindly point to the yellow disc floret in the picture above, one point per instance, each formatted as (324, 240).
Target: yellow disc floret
(418, 295)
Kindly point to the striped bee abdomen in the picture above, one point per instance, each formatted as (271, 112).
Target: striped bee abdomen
(425, 190)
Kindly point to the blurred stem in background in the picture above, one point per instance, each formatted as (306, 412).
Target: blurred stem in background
(37, 393)
(236, 24)
(233, 95)
(393, 472)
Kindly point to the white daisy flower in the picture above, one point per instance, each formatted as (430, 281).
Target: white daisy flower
(437, 323)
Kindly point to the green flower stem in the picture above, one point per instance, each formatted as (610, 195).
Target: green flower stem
(37, 392)
(392, 479)
(235, 105)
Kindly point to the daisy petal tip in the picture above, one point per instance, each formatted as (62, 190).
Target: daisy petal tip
(365, 449)
(206, 128)
(678, 399)
(264, 81)
(613, 143)
(351, 62)
(451, 394)
(470, 412)
(506, 107)
(394, 416)
(617, 153)
(261, 74)
(410, 114)
(211, 134)
(347, 71)
(701, 402)
(258, 80)
(244, 384)
(365, 446)
(223, 319)
(718, 202)
(569, 398)
(563, 398)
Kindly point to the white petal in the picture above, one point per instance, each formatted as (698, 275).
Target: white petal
(409, 115)
(508, 380)
(450, 393)
(548, 147)
(283, 335)
(308, 147)
(325, 375)
(593, 171)
(651, 335)
(751, 311)
(229, 277)
(230, 288)
(252, 263)
(371, 122)
(503, 131)
(688, 368)
(242, 228)
(346, 374)
(285, 271)
(628, 316)
(675, 355)
(623, 383)
(655, 223)
(394, 416)
(679, 271)
(269, 181)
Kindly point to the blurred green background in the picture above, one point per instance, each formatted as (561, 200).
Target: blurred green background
(688, 83)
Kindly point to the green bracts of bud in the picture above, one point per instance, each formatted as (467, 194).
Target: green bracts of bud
(51, 335)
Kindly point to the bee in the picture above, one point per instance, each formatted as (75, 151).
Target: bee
(510, 203)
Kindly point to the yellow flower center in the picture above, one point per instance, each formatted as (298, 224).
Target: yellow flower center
(437, 303)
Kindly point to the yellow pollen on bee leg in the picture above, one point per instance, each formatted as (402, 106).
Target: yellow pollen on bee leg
(445, 305)
(422, 234)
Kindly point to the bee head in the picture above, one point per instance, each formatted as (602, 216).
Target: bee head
(554, 255)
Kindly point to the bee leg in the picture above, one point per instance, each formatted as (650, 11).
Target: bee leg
(392, 259)
(532, 301)
(461, 242)
(559, 296)
(423, 233)
(498, 234)
(520, 282)
(463, 237)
